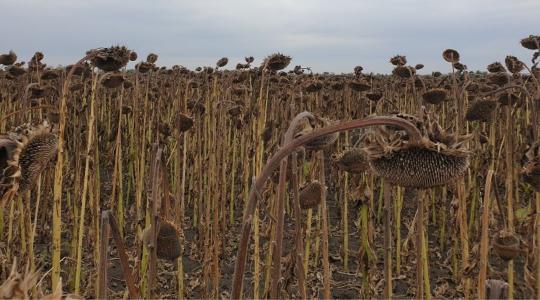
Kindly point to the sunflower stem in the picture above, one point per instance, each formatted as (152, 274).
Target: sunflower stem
(272, 164)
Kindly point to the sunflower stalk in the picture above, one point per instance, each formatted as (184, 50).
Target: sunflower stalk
(89, 144)
(387, 241)
(327, 276)
(272, 164)
(484, 240)
(58, 178)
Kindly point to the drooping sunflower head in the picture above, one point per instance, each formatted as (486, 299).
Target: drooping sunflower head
(168, 241)
(438, 158)
(311, 195)
(35, 148)
(111, 59)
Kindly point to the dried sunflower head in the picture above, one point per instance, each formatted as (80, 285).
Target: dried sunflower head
(398, 60)
(472, 88)
(144, 67)
(311, 195)
(506, 244)
(8, 59)
(437, 159)
(127, 109)
(151, 58)
(481, 110)
(112, 80)
(36, 91)
(184, 122)
(110, 59)
(451, 55)
(222, 62)
(337, 85)
(531, 42)
(266, 135)
(168, 241)
(50, 75)
(404, 71)
(434, 96)
(164, 129)
(38, 56)
(313, 86)
(499, 78)
(276, 62)
(16, 71)
(375, 96)
(495, 67)
(127, 84)
(353, 161)
(359, 85)
(35, 150)
(235, 110)
(513, 64)
(459, 66)
(240, 66)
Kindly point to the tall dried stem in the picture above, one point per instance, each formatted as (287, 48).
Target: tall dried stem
(484, 240)
(272, 164)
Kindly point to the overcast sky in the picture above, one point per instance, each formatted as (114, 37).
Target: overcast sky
(325, 35)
